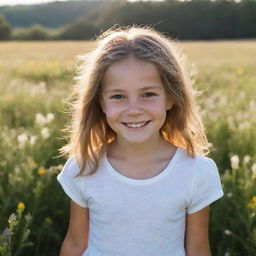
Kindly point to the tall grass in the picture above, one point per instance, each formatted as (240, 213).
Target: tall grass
(36, 79)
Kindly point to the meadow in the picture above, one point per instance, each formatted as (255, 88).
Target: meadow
(36, 79)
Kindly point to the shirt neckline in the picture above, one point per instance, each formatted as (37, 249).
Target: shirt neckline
(146, 181)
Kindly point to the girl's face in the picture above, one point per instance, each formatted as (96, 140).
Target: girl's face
(134, 100)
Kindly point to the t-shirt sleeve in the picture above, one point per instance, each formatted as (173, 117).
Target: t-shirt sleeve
(205, 187)
(73, 186)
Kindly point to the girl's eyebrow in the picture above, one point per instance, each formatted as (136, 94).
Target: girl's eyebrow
(150, 87)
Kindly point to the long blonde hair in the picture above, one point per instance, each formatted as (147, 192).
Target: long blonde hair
(88, 130)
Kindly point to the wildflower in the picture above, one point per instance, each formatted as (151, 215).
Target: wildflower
(229, 194)
(21, 205)
(40, 119)
(12, 218)
(22, 139)
(227, 254)
(41, 171)
(6, 232)
(50, 117)
(33, 139)
(45, 133)
(240, 71)
(228, 232)
(247, 159)
(234, 161)
(252, 203)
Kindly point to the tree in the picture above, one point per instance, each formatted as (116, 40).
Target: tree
(5, 29)
(80, 30)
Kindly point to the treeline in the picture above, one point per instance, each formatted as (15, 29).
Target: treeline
(193, 20)
(51, 15)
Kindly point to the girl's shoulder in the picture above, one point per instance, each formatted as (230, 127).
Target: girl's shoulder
(70, 168)
(199, 161)
(71, 183)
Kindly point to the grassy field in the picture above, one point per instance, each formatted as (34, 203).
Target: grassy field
(36, 79)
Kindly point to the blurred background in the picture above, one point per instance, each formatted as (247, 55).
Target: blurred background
(39, 42)
(79, 20)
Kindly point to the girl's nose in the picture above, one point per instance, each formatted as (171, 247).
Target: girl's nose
(134, 107)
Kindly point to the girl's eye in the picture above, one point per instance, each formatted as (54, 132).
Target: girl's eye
(149, 94)
(117, 97)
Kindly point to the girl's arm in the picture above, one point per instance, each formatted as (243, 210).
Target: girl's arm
(196, 237)
(76, 239)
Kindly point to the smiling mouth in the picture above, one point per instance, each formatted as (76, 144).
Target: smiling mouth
(136, 125)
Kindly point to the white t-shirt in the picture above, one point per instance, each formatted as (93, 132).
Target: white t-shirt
(142, 217)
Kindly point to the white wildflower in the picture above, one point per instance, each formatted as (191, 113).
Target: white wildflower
(22, 139)
(50, 117)
(228, 232)
(32, 140)
(234, 161)
(45, 133)
(227, 254)
(229, 194)
(12, 218)
(40, 119)
(247, 159)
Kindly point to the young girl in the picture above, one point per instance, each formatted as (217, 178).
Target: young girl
(137, 176)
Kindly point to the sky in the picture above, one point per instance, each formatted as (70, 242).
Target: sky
(26, 2)
(29, 2)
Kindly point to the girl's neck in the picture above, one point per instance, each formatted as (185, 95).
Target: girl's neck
(138, 151)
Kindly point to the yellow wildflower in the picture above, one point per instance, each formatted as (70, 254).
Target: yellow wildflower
(252, 203)
(240, 71)
(41, 171)
(21, 205)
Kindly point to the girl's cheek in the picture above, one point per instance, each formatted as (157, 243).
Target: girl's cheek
(112, 110)
(155, 106)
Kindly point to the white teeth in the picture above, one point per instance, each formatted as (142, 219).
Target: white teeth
(136, 125)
